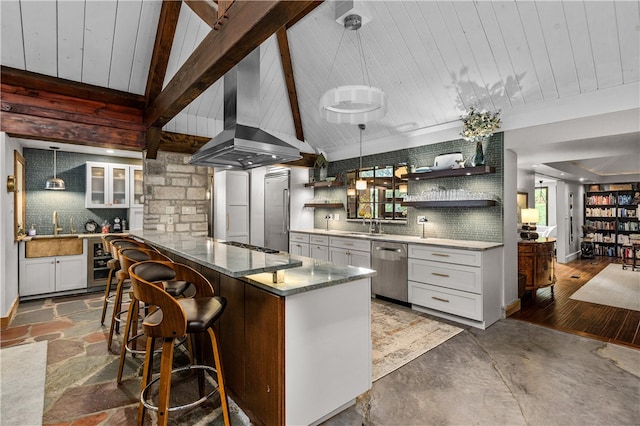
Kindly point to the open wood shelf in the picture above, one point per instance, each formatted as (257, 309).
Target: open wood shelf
(323, 183)
(450, 203)
(326, 205)
(467, 171)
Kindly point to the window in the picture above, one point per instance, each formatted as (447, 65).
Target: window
(541, 197)
(381, 200)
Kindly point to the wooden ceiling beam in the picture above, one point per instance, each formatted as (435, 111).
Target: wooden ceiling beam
(250, 23)
(35, 81)
(167, 24)
(179, 142)
(207, 10)
(45, 128)
(287, 68)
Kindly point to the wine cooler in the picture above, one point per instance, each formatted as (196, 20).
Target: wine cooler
(97, 267)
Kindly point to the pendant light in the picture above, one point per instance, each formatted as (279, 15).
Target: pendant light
(361, 184)
(54, 183)
(353, 103)
(540, 199)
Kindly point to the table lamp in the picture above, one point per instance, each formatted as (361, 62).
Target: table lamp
(529, 219)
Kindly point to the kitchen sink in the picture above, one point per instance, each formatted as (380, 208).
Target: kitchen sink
(54, 245)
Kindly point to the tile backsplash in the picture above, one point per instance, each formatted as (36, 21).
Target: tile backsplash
(70, 203)
(461, 223)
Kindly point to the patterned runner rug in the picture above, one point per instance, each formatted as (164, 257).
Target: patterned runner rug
(23, 369)
(400, 335)
(613, 286)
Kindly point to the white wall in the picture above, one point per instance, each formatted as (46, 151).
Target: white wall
(568, 248)
(526, 183)
(8, 247)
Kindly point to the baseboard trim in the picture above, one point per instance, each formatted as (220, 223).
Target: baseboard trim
(512, 308)
(6, 321)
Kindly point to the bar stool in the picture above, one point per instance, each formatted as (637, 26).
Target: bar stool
(121, 275)
(113, 267)
(165, 276)
(175, 318)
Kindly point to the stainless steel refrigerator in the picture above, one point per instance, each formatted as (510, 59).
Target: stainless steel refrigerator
(277, 210)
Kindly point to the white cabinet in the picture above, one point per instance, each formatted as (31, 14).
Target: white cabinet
(136, 187)
(107, 185)
(44, 275)
(461, 285)
(231, 206)
(136, 218)
(299, 244)
(345, 251)
(319, 247)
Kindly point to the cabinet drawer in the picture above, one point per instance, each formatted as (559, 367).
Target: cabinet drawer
(447, 255)
(299, 238)
(459, 277)
(350, 244)
(319, 239)
(454, 302)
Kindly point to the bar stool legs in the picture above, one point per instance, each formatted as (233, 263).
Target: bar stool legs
(166, 365)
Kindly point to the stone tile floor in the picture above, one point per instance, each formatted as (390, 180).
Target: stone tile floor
(513, 373)
(80, 385)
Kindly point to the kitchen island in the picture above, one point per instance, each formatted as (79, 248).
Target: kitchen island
(295, 352)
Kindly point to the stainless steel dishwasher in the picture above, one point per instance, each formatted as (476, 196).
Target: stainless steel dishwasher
(390, 262)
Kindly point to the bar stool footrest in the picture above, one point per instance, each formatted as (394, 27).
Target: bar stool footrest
(150, 406)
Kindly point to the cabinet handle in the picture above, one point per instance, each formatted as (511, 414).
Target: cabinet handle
(227, 221)
(437, 274)
(440, 299)
(348, 244)
(441, 254)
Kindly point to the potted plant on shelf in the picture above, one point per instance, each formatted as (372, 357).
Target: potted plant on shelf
(322, 165)
(478, 126)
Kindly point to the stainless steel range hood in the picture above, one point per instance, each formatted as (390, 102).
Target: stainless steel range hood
(242, 144)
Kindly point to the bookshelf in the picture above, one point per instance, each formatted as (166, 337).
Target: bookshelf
(614, 215)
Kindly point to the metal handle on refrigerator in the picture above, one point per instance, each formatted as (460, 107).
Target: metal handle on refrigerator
(285, 211)
(227, 221)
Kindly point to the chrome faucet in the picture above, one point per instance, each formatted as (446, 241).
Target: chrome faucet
(56, 229)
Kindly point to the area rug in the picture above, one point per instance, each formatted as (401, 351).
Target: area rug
(400, 335)
(613, 286)
(23, 370)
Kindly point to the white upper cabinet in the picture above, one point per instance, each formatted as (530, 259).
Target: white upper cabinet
(136, 182)
(112, 185)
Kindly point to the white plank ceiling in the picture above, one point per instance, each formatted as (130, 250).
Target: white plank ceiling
(434, 60)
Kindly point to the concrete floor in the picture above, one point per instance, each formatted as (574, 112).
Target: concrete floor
(513, 373)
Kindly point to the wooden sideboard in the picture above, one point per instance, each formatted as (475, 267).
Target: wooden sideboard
(537, 261)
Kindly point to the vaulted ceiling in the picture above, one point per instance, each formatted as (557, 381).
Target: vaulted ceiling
(539, 62)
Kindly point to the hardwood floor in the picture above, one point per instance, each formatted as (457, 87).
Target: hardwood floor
(606, 323)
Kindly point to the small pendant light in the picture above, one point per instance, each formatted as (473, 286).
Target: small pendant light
(361, 184)
(54, 183)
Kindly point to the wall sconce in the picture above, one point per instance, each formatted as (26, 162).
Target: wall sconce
(529, 219)
(11, 183)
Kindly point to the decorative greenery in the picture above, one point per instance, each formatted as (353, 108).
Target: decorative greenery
(479, 124)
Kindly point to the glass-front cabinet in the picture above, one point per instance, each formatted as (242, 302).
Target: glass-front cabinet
(385, 190)
(107, 185)
(137, 189)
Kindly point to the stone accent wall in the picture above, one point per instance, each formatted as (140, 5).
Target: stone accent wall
(175, 194)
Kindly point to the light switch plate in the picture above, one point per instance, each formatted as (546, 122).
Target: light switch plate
(188, 210)
(336, 216)
(170, 220)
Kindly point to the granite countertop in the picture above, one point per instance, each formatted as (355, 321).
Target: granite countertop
(232, 261)
(313, 274)
(438, 242)
(94, 235)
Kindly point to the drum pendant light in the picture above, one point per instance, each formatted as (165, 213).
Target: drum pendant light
(54, 183)
(354, 103)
